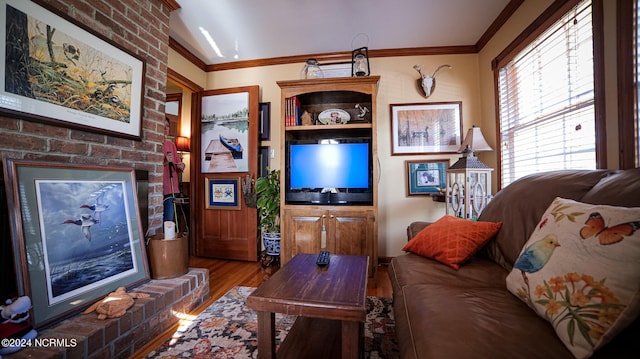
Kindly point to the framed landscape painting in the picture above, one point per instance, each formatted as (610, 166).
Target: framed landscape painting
(224, 126)
(76, 234)
(57, 71)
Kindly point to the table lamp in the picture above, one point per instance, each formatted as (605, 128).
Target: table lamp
(183, 144)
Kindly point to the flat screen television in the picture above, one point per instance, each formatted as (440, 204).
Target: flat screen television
(329, 171)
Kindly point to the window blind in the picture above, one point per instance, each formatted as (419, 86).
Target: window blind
(546, 101)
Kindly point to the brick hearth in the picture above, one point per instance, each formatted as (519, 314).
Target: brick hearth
(123, 336)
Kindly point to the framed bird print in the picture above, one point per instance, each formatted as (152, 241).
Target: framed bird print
(76, 234)
(58, 71)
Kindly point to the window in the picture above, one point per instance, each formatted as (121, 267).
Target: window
(547, 117)
(628, 82)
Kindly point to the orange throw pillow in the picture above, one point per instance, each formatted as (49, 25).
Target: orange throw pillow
(452, 240)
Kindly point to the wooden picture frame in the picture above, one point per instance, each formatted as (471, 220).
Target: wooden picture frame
(67, 74)
(76, 234)
(265, 121)
(223, 193)
(426, 128)
(426, 177)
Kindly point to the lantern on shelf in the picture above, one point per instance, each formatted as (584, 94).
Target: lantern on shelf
(360, 62)
(469, 180)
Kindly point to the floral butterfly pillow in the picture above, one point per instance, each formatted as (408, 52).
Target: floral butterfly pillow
(580, 270)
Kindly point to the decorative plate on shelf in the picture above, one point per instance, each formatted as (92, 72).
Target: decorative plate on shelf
(333, 116)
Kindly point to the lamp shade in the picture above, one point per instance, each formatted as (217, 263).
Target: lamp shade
(475, 140)
(183, 144)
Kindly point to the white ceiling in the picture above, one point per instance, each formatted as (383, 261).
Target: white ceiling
(260, 29)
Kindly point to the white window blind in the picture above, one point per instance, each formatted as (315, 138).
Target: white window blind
(546, 101)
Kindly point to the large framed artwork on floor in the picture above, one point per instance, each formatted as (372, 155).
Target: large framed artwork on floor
(76, 234)
(56, 70)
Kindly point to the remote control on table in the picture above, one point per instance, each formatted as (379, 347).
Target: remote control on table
(323, 258)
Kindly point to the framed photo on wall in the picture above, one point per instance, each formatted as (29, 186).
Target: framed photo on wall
(222, 193)
(76, 234)
(426, 128)
(66, 73)
(426, 177)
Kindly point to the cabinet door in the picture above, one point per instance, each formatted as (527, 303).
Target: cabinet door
(353, 232)
(303, 233)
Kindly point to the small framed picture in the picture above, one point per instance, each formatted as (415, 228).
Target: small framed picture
(263, 160)
(426, 177)
(265, 120)
(222, 193)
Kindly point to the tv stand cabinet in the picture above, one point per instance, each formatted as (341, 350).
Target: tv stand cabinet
(340, 229)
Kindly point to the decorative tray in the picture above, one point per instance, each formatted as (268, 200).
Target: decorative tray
(333, 116)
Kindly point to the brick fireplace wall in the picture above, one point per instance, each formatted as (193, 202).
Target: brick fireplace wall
(142, 27)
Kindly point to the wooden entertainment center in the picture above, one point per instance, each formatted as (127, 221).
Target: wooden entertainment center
(340, 227)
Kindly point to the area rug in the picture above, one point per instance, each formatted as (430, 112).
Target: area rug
(227, 329)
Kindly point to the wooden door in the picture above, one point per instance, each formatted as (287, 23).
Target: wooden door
(224, 226)
(354, 234)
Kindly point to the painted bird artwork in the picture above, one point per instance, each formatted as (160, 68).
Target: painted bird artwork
(85, 222)
(535, 257)
(98, 207)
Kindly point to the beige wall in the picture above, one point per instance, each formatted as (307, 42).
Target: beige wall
(470, 81)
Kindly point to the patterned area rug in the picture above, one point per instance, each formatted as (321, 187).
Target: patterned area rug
(227, 329)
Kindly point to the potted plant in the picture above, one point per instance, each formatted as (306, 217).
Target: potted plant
(268, 205)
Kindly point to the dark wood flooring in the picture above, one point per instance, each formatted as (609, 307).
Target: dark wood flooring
(226, 274)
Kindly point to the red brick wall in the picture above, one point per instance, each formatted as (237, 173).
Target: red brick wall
(142, 27)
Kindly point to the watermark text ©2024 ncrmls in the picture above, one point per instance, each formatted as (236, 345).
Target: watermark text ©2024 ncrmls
(40, 342)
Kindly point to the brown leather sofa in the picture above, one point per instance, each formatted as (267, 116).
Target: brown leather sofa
(469, 313)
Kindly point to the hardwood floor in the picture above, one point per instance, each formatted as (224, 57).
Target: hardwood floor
(226, 274)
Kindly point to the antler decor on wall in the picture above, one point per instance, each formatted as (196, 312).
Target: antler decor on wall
(427, 84)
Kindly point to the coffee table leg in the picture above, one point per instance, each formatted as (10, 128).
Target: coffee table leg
(351, 335)
(266, 335)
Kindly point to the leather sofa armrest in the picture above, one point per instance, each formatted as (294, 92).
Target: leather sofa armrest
(414, 228)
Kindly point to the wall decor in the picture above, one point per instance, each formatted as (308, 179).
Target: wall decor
(222, 193)
(225, 132)
(265, 120)
(263, 160)
(426, 177)
(55, 70)
(77, 234)
(425, 128)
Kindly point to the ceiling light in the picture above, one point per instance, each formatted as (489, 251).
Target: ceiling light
(212, 43)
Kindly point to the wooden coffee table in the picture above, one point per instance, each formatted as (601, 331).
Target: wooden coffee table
(330, 303)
